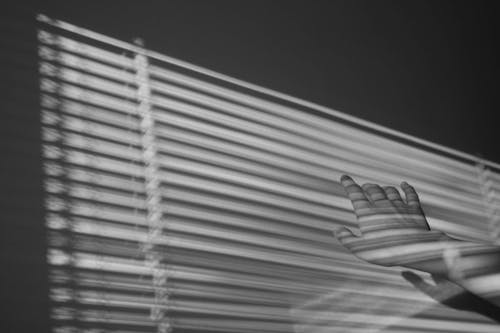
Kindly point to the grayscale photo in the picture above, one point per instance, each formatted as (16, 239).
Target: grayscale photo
(189, 166)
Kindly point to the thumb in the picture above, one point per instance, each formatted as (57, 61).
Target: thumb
(346, 236)
(419, 283)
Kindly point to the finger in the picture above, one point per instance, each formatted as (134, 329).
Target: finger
(354, 192)
(346, 236)
(419, 283)
(393, 194)
(410, 194)
(445, 292)
(439, 279)
(375, 192)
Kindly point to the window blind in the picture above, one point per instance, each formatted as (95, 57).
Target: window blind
(182, 200)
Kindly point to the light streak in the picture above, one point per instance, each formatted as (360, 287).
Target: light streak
(244, 195)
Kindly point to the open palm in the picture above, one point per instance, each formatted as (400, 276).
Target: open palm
(392, 230)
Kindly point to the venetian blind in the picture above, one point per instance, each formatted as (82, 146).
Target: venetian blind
(179, 199)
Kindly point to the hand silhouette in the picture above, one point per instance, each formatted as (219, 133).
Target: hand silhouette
(453, 295)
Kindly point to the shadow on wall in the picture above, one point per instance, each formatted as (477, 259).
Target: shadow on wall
(452, 295)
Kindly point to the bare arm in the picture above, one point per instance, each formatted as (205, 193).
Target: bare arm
(395, 232)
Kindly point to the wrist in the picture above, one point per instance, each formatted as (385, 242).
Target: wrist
(433, 252)
(457, 260)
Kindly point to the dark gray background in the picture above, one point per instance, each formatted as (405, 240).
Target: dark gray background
(426, 68)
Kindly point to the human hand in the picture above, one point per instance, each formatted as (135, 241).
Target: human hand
(451, 294)
(393, 231)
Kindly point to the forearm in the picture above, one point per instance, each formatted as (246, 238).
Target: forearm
(395, 232)
(474, 266)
